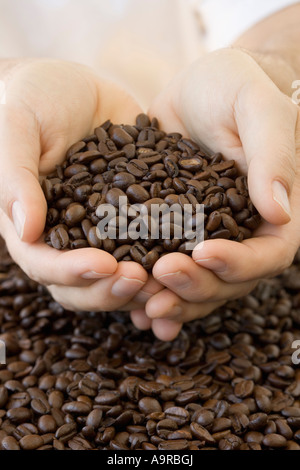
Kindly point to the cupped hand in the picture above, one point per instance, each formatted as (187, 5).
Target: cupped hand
(226, 102)
(49, 105)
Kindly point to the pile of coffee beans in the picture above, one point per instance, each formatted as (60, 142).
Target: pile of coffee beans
(93, 381)
(146, 166)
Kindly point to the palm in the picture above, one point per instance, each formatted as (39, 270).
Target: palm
(71, 102)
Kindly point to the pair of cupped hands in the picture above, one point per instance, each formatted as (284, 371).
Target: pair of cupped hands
(225, 102)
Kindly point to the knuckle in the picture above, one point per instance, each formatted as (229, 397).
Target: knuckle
(203, 293)
(285, 259)
(286, 159)
(33, 275)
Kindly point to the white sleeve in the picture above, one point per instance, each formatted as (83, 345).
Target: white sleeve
(226, 20)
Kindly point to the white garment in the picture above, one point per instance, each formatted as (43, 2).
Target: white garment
(139, 43)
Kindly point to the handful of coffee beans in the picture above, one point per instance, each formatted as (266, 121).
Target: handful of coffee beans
(144, 166)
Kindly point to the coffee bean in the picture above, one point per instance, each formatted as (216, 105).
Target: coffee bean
(149, 405)
(65, 432)
(137, 168)
(40, 407)
(204, 417)
(74, 214)
(178, 414)
(274, 441)
(201, 433)
(10, 443)
(258, 421)
(142, 120)
(113, 195)
(230, 442)
(77, 407)
(19, 415)
(120, 137)
(47, 424)
(59, 238)
(123, 179)
(31, 442)
(137, 193)
(149, 260)
(178, 444)
(244, 388)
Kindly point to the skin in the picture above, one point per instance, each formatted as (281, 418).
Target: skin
(234, 100)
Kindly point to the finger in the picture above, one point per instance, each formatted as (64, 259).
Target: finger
(165, 329)
(268, 141)
(149, 289)
(192, 283)
(116, 103)
(167, 305)
(21, 196)
(106, 294)
(140, 319)
(250, 260)
(49, 266)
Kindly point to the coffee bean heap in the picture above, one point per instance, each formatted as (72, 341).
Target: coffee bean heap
(93, 381)
(147, 166)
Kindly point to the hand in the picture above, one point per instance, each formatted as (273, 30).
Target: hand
(227, 103)
(50, 105)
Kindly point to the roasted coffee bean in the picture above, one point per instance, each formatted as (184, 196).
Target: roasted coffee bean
(203, 417)
(274, 441)
(120, 137)
(137, 168)
(59, 238)
(149, 405)
(177, 444)
(65, 432)
(137, 193)
(10, 443)
(93, 238)
(123, 179)
(150, 259)
(31, 442)
(137, 252)
(201, 433)
(74, 214)
(19, 415)
(230, 442)
(98, 166)
(258, 421)
(177, 414)
(244, 388)
(113, 195)
(47, 424)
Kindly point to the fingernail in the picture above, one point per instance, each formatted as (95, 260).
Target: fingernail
(280, 196)
(214, 264)
(125, 287)
(178, 280)
(19, 218)
(94, 275)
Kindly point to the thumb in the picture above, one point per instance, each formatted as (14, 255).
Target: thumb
(267, 124)
(21, 196)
